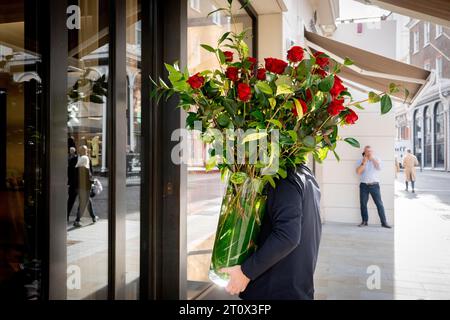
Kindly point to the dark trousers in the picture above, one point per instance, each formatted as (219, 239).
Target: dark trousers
(85, 203)
(374, 191)
(71, 200)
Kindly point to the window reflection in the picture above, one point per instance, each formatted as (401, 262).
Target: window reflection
(205, 189)
(21, 152)
(87, 79)
(439, 136)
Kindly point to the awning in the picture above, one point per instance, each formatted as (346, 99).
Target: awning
(370, 69)
(436, 11)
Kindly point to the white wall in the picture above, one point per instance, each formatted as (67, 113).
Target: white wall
(339, 181)
(377, 37)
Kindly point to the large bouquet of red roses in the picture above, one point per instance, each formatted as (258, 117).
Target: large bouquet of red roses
(301, 102)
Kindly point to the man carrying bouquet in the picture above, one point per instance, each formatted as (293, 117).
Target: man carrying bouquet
(282, 267)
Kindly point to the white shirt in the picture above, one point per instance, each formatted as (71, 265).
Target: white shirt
(370, 173)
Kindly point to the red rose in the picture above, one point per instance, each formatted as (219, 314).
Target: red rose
(351, 117)
(308, 95)
(228, 56)
(244, 92)
(322, 73)
(252, 61)
(295, 54)
(338, 87)
(336, 106)
(261, 74)
(321, 59)
(196, 81)
(275, 65)
(232, 73)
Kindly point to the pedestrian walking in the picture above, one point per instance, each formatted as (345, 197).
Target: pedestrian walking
(409, 164)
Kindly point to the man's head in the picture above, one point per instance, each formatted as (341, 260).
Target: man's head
(72, 150)
(368, 152)
(409, 150)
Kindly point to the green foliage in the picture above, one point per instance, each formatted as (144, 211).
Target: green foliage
(294, 103)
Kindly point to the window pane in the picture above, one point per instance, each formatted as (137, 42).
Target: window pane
(428, 138)
(418, 135)
(88, 165)
(205, 188)
(134, 142)
(22, 156)
(439, 136)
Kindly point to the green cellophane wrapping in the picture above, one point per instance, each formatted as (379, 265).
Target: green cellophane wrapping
(238, 228)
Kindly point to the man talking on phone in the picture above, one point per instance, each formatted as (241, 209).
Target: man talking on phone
(368, 169)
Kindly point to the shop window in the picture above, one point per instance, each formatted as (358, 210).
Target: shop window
(87, 128)
(439, 136)
(426, 33)
(205, 189)
(428, 145)
(418, 123)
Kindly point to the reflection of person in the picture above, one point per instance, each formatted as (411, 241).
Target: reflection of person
(84, 186)
(72, 179)
(284, 263)
(409, 164)
(368, 169)
(95, 149)
(397, 167)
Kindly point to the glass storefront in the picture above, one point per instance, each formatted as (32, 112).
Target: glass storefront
(87, 142)
(82, 142)
(205, 189)
(428, 138)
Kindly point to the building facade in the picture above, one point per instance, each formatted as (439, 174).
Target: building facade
(425, 126)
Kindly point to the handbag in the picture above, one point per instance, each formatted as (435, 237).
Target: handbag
(96, 188)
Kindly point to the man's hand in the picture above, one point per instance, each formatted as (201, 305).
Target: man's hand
(238, 280)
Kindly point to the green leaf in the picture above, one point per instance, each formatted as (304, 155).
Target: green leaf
(336, 155)
(393, 88)
(386, 104)
(270, 180)
(224, 37)
(217, 10)
(309, 141)
(258, 115)
(359, 106)
(208, 48)
(373, 97)
(326, 84)
(272, 102)
(264, 87)
(353, 142)
(211, 163)
(299, 109)
(282, 173)
(222, 57)
(283, 79)
(238, 177)
(223, 120)
(293, 135)
(254, 136)
(284, 89)
(348, 61)
(276, 122)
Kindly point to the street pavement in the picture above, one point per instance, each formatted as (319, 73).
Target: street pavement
(413, 258)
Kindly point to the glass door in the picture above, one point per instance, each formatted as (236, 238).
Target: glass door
(87, 150)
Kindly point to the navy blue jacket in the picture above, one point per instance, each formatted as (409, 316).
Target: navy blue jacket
(283, 265)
